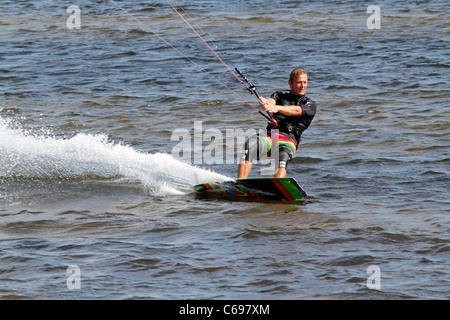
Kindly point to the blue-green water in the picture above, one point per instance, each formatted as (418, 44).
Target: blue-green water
(88, 178)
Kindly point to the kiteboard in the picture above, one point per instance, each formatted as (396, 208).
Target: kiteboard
(283, 189)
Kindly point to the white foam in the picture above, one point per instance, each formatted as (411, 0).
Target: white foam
(86, 156)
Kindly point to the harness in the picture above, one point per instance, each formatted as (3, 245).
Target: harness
(286, 128)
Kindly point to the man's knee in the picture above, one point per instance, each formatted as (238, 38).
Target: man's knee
(284, 159)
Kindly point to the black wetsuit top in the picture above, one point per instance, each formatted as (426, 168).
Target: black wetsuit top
(293, 126)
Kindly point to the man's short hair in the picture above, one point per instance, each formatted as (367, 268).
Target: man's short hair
(297, 72)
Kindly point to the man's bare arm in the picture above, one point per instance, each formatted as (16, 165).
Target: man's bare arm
(289, 111)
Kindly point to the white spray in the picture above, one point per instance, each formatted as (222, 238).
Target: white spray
(24, 155)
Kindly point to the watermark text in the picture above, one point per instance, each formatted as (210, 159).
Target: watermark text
(374, 21)
(374, 280)
(214, 146)
(74, 280)
(74, 20)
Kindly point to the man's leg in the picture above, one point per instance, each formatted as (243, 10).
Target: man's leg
(281, 173)
(285, 156)
(244, 169)
(252, 149)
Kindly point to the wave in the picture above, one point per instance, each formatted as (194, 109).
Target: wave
(87, 157)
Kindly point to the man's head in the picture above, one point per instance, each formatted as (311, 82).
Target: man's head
(298, 81)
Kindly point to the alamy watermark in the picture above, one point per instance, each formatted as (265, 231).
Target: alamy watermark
(215, 146)
(74, 20)
(374, 21)
(374, 280)
(74, 280)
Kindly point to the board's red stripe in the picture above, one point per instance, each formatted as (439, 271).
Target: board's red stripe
(208, 186)
(283, 190)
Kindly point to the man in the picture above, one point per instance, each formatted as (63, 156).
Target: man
(294, 113)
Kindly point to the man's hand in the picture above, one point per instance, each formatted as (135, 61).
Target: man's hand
(269, 105)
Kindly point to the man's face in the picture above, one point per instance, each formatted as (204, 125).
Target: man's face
(299, 84)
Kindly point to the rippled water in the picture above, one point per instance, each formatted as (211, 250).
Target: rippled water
(88, 177)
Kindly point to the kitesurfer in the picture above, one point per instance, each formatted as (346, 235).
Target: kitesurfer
(293, 113)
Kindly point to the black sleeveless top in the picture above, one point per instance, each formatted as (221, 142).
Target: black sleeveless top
(293, 125)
